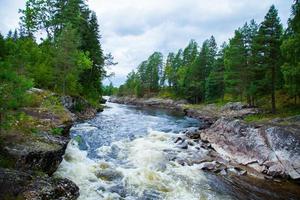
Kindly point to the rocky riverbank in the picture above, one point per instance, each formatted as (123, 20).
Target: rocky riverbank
(208, 114)
(268, 150)
(33, 148)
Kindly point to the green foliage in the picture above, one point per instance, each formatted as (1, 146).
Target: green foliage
(12, 91)
(70, 60)
(147, 79)
(78, 139)
(290, 49)
(109, 90)
(57, 131)
(282, 112)
(267, 58)
(52, 103)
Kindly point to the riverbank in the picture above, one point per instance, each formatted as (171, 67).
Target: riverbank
(34, 145)
(269, 149)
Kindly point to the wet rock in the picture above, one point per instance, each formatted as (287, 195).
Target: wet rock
(238, 171)
(276, 170)
(181, 161)
(109, 174)
(102, 101)
(119, 189)
(191, 143)
(178, 139)
(182, 145)
(43, 153)
(192, 133)
(15, 184)
(208, 165)
(223, 172)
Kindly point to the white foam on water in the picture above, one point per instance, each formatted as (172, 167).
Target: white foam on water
(78, 168)
(146, 169)
(86, 127)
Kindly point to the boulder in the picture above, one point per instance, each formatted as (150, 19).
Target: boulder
(42, 153)
(192, 133)
(109, 174)
(233, 106)
(208, 165)
(20, 185)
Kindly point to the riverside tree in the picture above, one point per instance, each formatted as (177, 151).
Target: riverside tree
(291, 53)
(268, 57)
(61, 19)
(68, 59)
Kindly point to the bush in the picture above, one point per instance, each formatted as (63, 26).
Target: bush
(12, 91)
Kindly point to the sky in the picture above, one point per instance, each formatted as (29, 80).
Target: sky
(133, 29)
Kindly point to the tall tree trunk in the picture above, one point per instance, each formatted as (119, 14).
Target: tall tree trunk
(273, 91)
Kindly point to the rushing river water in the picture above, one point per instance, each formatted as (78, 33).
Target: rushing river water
(128, 153)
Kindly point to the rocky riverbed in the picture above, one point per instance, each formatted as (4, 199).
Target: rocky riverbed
(265, 150)
(33, 149)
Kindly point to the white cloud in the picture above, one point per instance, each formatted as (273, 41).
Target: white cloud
(133, 29)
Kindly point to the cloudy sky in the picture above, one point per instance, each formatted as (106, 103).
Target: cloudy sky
(133, 29)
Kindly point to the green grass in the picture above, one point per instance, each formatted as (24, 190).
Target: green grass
(282, 112)
(56, 131)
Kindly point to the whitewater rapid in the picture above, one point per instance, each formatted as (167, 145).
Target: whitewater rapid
(146, 171)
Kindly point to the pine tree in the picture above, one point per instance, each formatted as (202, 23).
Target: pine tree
(154, 71)
(90, 42)
(236, 66)
(2, 47)
(215, 85)
(170, 71)
(189, 55)
(199, 71)
(268, 54)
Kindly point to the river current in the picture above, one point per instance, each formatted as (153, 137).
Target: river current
(127, 153)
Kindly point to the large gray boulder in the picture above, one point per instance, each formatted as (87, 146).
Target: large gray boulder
(272, 150)
(42, 153)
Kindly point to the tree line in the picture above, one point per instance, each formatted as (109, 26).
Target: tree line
(68, 60)
(259, 60)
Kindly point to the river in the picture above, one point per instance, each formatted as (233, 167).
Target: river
(127, 152)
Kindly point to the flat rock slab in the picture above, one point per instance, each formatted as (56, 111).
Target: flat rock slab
(273, 150)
